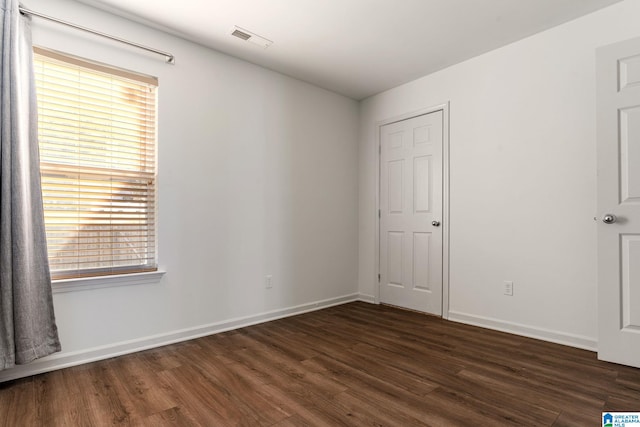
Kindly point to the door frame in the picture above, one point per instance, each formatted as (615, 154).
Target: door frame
(445, 197)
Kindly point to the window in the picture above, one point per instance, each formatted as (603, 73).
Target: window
(97, 134)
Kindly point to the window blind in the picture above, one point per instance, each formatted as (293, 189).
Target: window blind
(97, 136)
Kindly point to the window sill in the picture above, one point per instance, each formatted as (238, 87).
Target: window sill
(98, 282)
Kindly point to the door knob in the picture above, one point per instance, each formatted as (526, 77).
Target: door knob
(609, 218)
(435, 223)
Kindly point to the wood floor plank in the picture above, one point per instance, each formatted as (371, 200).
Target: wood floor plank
(49, 404)
(13, 403)
(104, 397)
(348, 365)
(146, 393)
(174, 417)
(405, 406)
(311, 408)
(238, 390)
(292, 421)
(202, 399)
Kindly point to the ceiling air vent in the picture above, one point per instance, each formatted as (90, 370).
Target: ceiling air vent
(241, 35)
(250, 37)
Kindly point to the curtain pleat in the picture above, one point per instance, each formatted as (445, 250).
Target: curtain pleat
(27, 323)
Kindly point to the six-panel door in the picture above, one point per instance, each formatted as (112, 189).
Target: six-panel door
(619, 203)
(411, 213)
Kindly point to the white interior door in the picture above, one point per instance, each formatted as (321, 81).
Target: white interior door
(411, 185)
(619, 202)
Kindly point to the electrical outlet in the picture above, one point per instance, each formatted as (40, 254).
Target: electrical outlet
(508, 287)
(268, 281)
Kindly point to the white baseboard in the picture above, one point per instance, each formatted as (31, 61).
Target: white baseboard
(367, 298)
(557, 337)
(66, 360)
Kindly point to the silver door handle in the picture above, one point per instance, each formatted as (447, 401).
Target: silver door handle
(435, 223)
(609, 218)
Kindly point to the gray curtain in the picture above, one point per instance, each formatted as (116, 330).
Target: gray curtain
(27, 324)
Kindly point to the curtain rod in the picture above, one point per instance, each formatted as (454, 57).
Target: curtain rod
(170, 59)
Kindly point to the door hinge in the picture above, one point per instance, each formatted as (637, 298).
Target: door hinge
(379, 213)
(378, 277)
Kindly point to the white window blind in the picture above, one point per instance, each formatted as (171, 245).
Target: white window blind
(97, 135)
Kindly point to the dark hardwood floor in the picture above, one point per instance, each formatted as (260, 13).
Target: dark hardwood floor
(355, 364)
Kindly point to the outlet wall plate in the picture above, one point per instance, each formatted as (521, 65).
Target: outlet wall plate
(508, 287)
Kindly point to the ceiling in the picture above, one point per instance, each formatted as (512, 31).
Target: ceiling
(355, 47)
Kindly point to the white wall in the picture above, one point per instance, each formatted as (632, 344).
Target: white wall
(257, 175)
(523, 177)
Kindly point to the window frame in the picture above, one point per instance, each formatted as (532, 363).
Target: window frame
(86, 278)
